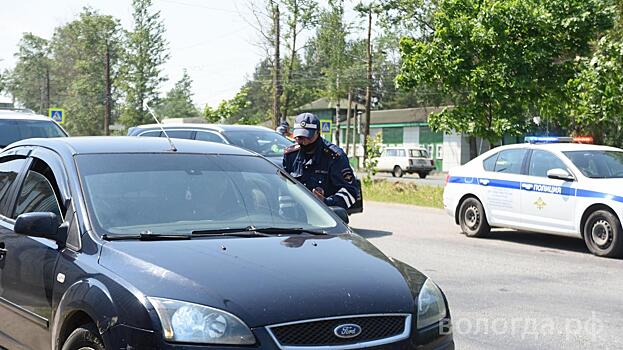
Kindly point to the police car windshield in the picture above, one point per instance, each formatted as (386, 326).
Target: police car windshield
(598, 164)
(266, 143)
(181, 193)
(12, 130)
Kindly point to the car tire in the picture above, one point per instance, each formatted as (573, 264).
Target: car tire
(603, 234)
(397, 171)
(472, 218)
(422, 175)
(84, 337)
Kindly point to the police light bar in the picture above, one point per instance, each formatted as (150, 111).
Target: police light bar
(547, 139)
(583, 139)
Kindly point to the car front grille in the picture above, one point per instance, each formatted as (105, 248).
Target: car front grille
(377, 329)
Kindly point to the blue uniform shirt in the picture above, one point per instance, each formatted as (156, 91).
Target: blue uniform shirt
(327, 168)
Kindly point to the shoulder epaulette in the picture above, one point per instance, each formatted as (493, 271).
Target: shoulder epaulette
(291, 149)
(332, 151)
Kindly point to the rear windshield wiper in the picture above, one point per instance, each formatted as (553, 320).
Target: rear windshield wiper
(146, 236)
(256, 231)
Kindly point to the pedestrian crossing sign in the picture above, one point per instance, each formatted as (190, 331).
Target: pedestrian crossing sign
(57, 114)
(326, 126)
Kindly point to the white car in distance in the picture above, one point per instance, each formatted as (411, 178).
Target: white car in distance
(401, 160)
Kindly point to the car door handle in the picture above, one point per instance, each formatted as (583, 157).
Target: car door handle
(484, 182)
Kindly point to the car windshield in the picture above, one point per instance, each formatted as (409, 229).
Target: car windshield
(418, 153)
(12, 130)
(182, 193)
(266, 143)
(598, 164)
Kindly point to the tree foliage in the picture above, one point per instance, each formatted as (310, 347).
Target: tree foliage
(29, 81)
(146, 52)
(231, 111)
(79, 52)
(178, 102)
(501, 61)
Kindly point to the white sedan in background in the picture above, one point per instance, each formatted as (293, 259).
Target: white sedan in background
(560, 188)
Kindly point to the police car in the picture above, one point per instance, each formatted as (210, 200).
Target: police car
(548, 185)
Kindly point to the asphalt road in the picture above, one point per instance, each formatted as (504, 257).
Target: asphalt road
(514, 290)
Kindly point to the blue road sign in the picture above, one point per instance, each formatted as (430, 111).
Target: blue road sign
(326, 126)
(57, 114)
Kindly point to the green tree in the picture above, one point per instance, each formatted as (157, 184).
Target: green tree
(145, 55)
(300, 15)
(178, 102)
(501, 61)
(30, 80)
(231, 111)
(596, 106)
(86, 56)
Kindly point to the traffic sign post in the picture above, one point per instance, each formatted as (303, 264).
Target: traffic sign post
(57, 114)
(325, 128)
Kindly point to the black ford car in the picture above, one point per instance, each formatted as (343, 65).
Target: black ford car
(129, 243)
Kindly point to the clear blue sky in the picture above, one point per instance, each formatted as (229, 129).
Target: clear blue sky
(212, 39)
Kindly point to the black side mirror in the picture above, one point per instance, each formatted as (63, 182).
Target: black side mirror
(37, 225)
(341, 212)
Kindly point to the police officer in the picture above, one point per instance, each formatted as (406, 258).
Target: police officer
(320, 165)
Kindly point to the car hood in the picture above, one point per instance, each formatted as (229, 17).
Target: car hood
(269, 280)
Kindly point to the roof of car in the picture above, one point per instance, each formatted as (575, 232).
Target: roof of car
(129, 144)
(563, 147)
(216, 127)
(21, 115)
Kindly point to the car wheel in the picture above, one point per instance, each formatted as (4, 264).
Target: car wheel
(397, 171)
(422, 175)
(602, 234)
(84, 338)
(472, 218)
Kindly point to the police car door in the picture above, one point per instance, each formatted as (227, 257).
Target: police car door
(547, 204)
(501, 187)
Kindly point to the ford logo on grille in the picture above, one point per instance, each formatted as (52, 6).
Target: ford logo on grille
(347, 331)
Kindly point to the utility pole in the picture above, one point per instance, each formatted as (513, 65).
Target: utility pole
(277, 88)
(337, 111)
(350, 105)
(107, 91)
(366, 126)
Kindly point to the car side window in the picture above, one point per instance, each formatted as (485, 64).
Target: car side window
(542, 161)
(489, 163)
(509, 161)
(401, 153)
(180, 134)
(37, 193)
(8, 174)
(155, 133)
(208, 136)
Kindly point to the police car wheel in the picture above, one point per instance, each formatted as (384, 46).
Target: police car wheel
(472, 218)
(602, 234)
(397, 171)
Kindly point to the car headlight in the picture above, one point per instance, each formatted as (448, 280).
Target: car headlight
(193, 323)
(431, 306)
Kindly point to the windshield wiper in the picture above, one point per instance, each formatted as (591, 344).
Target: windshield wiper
(298, 230)
(146, 236)
(255, 231)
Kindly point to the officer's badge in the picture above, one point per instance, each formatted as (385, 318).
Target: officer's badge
(348, 175)
(303, 124)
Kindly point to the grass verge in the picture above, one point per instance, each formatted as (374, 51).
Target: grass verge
(405, 193)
